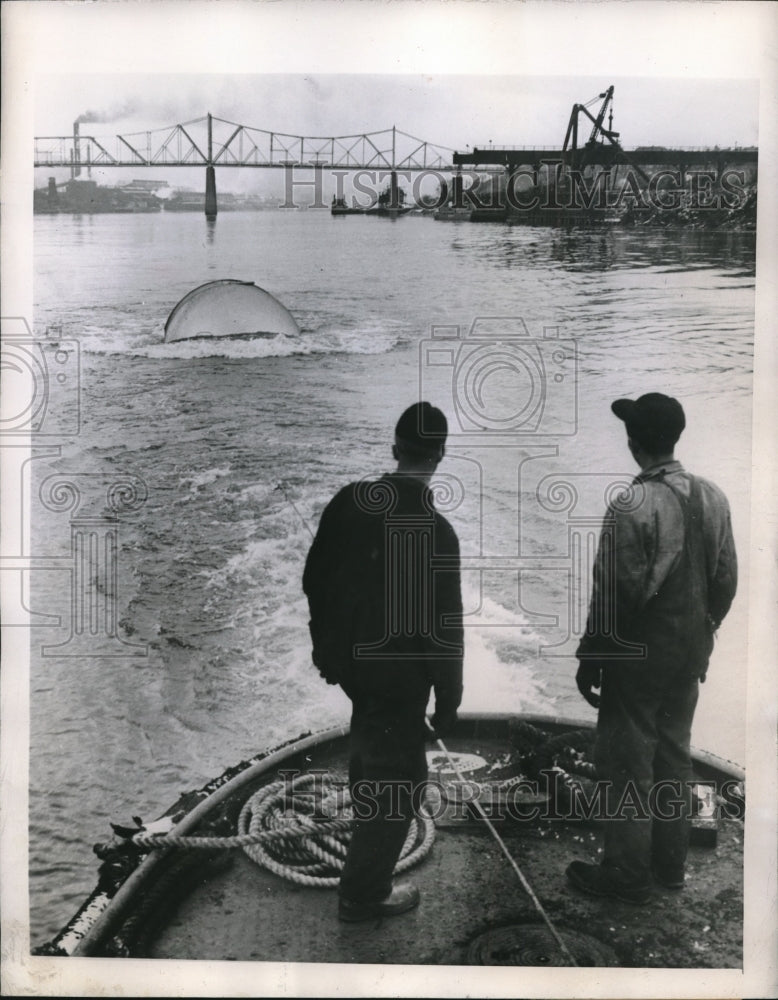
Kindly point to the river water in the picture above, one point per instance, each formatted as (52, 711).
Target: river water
(234, 447)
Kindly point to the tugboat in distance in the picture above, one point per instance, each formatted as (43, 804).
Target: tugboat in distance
(386, 205)
(339, 207)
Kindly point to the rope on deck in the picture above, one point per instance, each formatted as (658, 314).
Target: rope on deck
(509, 857)
(300, 830)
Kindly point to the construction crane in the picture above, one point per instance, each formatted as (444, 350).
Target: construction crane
(595, 149)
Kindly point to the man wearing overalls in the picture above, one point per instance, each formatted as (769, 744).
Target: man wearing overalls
(664, 578)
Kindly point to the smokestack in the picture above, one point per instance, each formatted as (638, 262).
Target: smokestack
(76, 169)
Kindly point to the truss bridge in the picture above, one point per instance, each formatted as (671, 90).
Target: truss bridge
(212, 141)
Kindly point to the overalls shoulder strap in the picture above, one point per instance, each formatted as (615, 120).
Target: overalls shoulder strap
(689, 581)
(694, 542)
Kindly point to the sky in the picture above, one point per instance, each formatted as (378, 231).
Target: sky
(452, 110)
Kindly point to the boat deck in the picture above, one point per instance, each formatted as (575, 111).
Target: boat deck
(473, 908)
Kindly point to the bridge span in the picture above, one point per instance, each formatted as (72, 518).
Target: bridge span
(212, 141)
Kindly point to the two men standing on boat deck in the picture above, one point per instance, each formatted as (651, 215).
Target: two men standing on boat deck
(664, 578)
(383, 585)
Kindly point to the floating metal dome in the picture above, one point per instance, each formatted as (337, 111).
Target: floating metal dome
(228, 308)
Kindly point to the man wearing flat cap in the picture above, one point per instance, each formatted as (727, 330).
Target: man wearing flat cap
(383, 585)
(664, 578)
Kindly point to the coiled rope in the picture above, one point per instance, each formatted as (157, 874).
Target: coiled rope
(300, 830)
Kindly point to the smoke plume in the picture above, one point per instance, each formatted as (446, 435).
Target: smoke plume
(111, 114)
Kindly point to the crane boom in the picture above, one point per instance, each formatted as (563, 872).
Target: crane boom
(594, 147)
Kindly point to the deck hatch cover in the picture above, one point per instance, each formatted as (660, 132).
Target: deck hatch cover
(534, 945)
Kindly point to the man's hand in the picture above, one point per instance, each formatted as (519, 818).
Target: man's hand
(443, 722)
(589, 676)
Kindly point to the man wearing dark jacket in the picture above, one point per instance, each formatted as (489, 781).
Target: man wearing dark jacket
(664, 578)
(383, 585)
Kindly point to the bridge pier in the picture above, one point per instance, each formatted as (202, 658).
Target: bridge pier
(210, 176)
(458, 195)
(210, 192)
(394, 200)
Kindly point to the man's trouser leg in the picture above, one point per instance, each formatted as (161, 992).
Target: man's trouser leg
(625, 748)
(643, 734)
(673, 774)
(388, 762)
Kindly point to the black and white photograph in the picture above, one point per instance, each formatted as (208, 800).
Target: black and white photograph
(389, 568)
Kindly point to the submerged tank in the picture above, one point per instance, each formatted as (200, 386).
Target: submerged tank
(229, 308)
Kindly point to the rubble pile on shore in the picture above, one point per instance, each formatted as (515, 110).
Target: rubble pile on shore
(739, 217)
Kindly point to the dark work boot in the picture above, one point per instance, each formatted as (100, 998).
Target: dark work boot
(402, 898)
(599, 881)
(670, 876)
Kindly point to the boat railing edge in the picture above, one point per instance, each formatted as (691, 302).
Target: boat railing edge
(113, 912)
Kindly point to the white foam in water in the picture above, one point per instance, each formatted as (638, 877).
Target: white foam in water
(262, 561)
(499, 650)
(256, 493)
(205, 478)
(279, 346)
(492, 680)
(368, 339)
(267, 574)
